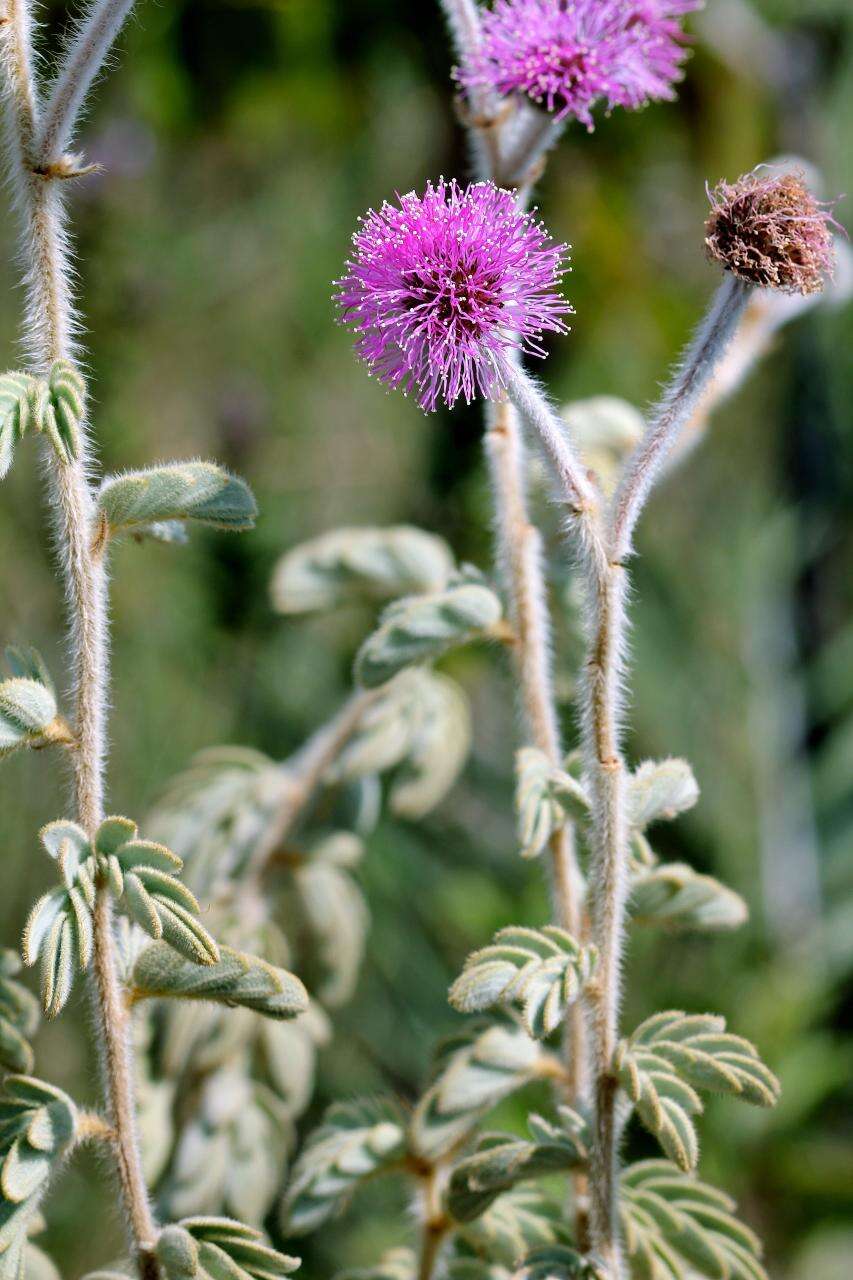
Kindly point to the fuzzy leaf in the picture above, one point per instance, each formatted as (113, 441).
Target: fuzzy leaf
(39, 1123)
(519, 1221)
(544, 797)
(235, 979)
(355, 1140)
(65, 410)
(421, 628)
(21, 398)
(158, 902)
(677, 898)
(660, 789)
(19, 1016)
(58, 932)
(678, 1228)
(27, 712)
(335, 913)
(354, 564)
(475, 1071)
(559, 1262)
(542, 971)
(500, 1163)
(219, 1249)
(673, 1054)
(199, 491)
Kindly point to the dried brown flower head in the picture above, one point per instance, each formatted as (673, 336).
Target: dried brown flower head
(771, 231)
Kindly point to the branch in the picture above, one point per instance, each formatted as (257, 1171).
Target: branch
(678, 402)
(86, 55)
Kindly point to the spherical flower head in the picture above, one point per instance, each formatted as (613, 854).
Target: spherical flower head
(770, 231)
(569, 55)
(442, 287)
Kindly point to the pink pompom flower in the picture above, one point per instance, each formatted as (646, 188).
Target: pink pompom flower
(442, 287)
(570, 55)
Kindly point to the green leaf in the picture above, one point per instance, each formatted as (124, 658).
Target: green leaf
(660, 789)
(235, 979)
(65, 410)
(19, 1016)
(355, 1141)
(541, 970)
(334, 913)
(38, 1125)
(544, 798)
(58, 932)
(677, 1228)
(559, 1262)
(28, 710)
(500, 1163)
(673, 1054)
(19, 410)
(677, 898)
(421, 628)
(519, 1221)
(354, 564)
(156, 900)
(219, 1249)
(474, 1071)
(199, 491)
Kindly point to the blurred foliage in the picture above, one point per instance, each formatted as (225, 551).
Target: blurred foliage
(239, 143)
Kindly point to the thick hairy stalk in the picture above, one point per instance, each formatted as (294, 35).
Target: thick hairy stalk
(603, 705)
(85, 57)
(49, 336)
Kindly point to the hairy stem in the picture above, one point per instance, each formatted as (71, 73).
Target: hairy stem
(677, 404)
(49, 336)
(86, 53)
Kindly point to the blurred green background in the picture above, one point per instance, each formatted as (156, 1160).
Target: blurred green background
(239, 142)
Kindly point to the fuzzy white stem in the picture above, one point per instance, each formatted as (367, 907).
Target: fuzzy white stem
(677, 404)
(86, 54)
(49, 329)
(463, 20)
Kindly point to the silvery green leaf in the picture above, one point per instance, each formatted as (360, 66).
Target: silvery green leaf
(541, 970)
(235, 979)
(544, 797)
(231, 1149)
(359, 563)
(519, 1221)
(475, 1070)
(157, 901)
(64, 410)
(199, 491)
(356, 1140)
(39, 1123)
(675, 1227)
(677, 898)
(439, 744)
(421, 628)
(673, 1054)
(27, 712)
(560, 1262)
(19, 1016)
(19, 408)
(501, 1162)
(38, 1266)
(58, 933)
(660, 789)
(335, 914)
(219, 1249)
(289, 1052)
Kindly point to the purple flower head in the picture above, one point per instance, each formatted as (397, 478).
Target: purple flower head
(442, 287)
(569, 55)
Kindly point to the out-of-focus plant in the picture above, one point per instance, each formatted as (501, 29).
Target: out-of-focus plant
(208, 1042)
